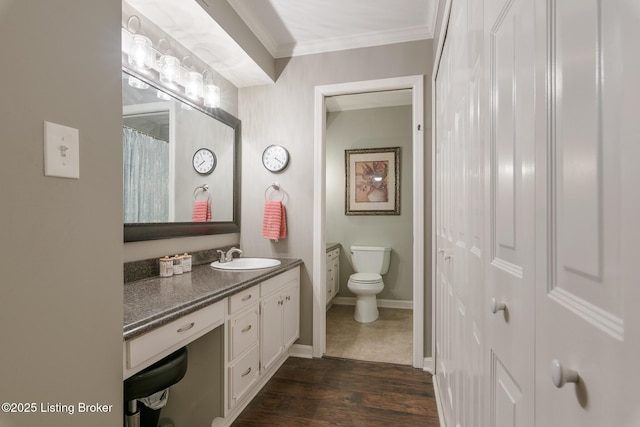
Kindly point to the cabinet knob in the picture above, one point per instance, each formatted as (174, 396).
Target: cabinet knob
(280, 302)
(288, 298)
(561, 375)
(497, 306)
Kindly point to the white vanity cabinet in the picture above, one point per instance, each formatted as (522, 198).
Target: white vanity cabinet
(262, 324)
(146, 349)
(333, 274)
(242, 331)
(280, 322)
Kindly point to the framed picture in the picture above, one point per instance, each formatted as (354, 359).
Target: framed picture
(372, 181)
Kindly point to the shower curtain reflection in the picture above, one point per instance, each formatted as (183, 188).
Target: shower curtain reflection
(146, 177)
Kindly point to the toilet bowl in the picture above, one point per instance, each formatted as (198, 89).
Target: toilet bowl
(369, 262)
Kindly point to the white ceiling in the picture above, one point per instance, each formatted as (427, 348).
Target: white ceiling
(299, 27)
(288, 28)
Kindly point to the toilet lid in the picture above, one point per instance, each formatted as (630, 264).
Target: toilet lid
(365, 277)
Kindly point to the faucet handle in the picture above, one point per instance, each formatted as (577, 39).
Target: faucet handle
(222, 257)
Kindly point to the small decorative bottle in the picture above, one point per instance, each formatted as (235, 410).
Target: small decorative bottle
(166, 267)
(186, 262)
(177, 264)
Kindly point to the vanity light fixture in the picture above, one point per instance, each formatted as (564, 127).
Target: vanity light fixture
(211, 91)
(193, 85)
(211, 96)
(169, 70)
(140, 49)
(141, 52)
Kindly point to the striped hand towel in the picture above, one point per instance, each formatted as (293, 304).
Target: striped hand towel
(274, 224)
(201, 211)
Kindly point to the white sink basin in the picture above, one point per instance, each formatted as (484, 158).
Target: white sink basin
(246, 264)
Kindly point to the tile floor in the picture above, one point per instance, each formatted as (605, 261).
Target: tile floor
(388, 339)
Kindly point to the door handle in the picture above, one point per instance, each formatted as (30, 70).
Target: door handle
(497, 306)
(561, 375)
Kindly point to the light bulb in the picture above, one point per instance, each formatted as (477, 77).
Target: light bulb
(211, 96)
(169, 70)
(141, 52)
(193, 88)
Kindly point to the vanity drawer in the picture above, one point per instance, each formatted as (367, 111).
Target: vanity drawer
(244, 299)
(275, 283)
(243, 332)
(242, 375)
(165, 339)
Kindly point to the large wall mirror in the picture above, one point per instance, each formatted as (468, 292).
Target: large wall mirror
(178, 159)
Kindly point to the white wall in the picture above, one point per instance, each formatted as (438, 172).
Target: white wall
(61, 239)
(371, 128)
(283, 113)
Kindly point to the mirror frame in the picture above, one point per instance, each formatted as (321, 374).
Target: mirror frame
(135, 232)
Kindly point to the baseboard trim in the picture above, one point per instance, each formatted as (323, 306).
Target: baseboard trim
(302, 351)
(427, 365)
(384, 303)
(436, 388)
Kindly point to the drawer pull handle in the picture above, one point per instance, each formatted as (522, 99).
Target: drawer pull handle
(246, 298)
(186, 328)
(247, 372)
(247, 329)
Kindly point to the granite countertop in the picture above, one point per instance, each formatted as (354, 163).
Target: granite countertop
(332, 246)
(152, 302)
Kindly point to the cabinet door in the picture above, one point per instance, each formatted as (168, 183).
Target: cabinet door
(271, 329)
(335, 276)
(291, 314)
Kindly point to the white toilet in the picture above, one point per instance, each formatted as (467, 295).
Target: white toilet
(369, 262)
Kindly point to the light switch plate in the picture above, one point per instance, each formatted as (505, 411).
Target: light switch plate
(61, 151)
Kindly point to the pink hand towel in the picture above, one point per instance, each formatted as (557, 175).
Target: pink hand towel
(201, 211)
(274, 224)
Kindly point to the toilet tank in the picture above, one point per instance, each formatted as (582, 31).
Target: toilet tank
(371, 259)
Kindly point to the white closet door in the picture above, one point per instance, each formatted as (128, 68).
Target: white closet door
(588, 293)
(459, 191)
(510, 204)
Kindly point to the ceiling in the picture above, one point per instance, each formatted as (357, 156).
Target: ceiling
(285, 28)
(300, 27)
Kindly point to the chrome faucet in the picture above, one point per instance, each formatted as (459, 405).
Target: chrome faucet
(228, 257)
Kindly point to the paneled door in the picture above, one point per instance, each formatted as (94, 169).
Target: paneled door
(459, 191)
(510, 203)
(587, 332)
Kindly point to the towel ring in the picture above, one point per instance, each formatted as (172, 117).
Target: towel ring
(276, 187)
(204, 188)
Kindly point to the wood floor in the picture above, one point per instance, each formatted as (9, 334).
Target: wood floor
(340, 392)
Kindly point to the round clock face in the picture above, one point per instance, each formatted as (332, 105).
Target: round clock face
(275, 158)
(204, 161)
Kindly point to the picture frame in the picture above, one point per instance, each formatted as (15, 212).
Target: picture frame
(372, 178)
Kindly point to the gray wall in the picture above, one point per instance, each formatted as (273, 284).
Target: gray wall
(61, 239)
(283, 113)
(371, 128)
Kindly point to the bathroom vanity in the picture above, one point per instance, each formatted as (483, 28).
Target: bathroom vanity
(333, 271)
(239, 326)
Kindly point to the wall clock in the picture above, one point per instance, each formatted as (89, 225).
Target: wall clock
(275, 158)
(204, 161)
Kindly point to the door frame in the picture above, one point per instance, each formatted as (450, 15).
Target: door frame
(416, 84)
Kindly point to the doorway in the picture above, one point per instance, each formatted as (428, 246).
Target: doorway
(415, 84)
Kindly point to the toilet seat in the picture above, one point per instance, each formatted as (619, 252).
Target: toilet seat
(365, 278)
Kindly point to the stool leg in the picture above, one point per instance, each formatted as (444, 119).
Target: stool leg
(132, 418)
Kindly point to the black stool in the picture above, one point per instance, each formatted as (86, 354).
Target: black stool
(153, 379)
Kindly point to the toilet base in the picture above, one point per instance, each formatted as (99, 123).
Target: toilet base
(366, 309)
